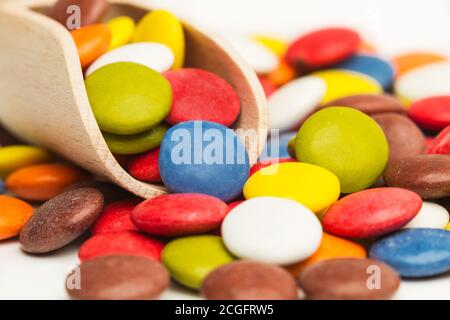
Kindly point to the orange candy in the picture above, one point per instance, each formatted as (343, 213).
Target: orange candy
(14, 213)
(406, 62)
(91, 41)
(282, 74)
(331, 247)
(366, 48)
(42, 182)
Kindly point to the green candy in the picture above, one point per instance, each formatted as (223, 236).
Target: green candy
(136, 143)
(347, 142)
(128, 98)
(190, 259)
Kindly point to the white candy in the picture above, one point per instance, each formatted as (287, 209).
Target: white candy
(431, 215)
(423, 82)
(259, 57)
(294, 101)
(151, 54)
(273, 230)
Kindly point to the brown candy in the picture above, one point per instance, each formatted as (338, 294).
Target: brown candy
(426, 174)
(61, 220)
(349, 279)
(117, 278)
(404, 137)
(248, 280)
(369, 103)
(91, 11)
(111, 192)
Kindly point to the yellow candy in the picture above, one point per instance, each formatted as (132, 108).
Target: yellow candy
(311, 185)
(122, 29)
(448, 227)
(163, 27)
(19, 156)
(342, 83)
(275, 45)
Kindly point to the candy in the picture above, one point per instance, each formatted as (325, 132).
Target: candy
(110, 88)
(248, 280)
(275, 45)
(6, 139)
(346, 142)
(145, 167)
(415, 253)
(163, 27)
(175, 215)
(267, 86)
(312, 186)
(349, 279)
(373, 66)
(431, 215)
(427, 174)
(61, 220)
(122, 29)
(343, 83)
(118, 278)
(322, 48)
(408, 61)
(293, 102)
(116, 217)
(404, 137)
(150, 54)
(2, 187)
(372, 212)
(191, 259)
(431, 113)
(128, 243)
(201, 95)
(15, 157)
(277, 146)
(273, 230)
(43, 181)
(14, 213)
(424, 82)
(136, 143)
(268, 162)
(92, 41)
(90, 11)
(369, 103)
(441, 143)
(203, 157)
(282, 74)
(331, 247)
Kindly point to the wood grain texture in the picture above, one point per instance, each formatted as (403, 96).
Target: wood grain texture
(43, 99)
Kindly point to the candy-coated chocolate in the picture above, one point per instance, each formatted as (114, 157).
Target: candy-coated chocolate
(122, 29)
(89, 11)
(174, 215)
(15, 157)
(268, 162)
(267, 86)
(411, 60)
(431, 113)
(145, 166)
(282, 74)
(415, 253)
(431, 215)
(14, 214)
(234, 204)
(276, 45)
(92, 41)
(372, 212)
(277, 146)
(441, 143)
(116, 217)
(128, 243)
(369, 103)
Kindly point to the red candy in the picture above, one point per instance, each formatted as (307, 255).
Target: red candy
(322, 48)
(121, 243)
(234, 204)
(201, 95)
(372, 212)
(116, 217)
(179, 214)
(441, 143)
(268, 162)
(145, 166)
(431, 113)
(267, 86)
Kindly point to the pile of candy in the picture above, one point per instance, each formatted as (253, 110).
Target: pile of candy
(346, 178)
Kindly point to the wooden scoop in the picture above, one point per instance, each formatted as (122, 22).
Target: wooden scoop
(43, 99)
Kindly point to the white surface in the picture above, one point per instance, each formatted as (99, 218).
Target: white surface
(431, 215)
(273, 230)
(151, 54)
(295, 100)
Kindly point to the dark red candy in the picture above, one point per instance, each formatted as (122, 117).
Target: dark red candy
(372, 212)
(116, 217)
(268, 162)
(267, 86)
(322, 48)
(179, 214)
(145, 166)
(431, 113)
(129, 243)
(234, 204)
(202, 95)
(441, 143)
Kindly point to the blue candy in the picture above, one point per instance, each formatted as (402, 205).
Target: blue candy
(2, 187)
(415, 252)
(377, 68)
(203, 157)
(277, 146)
